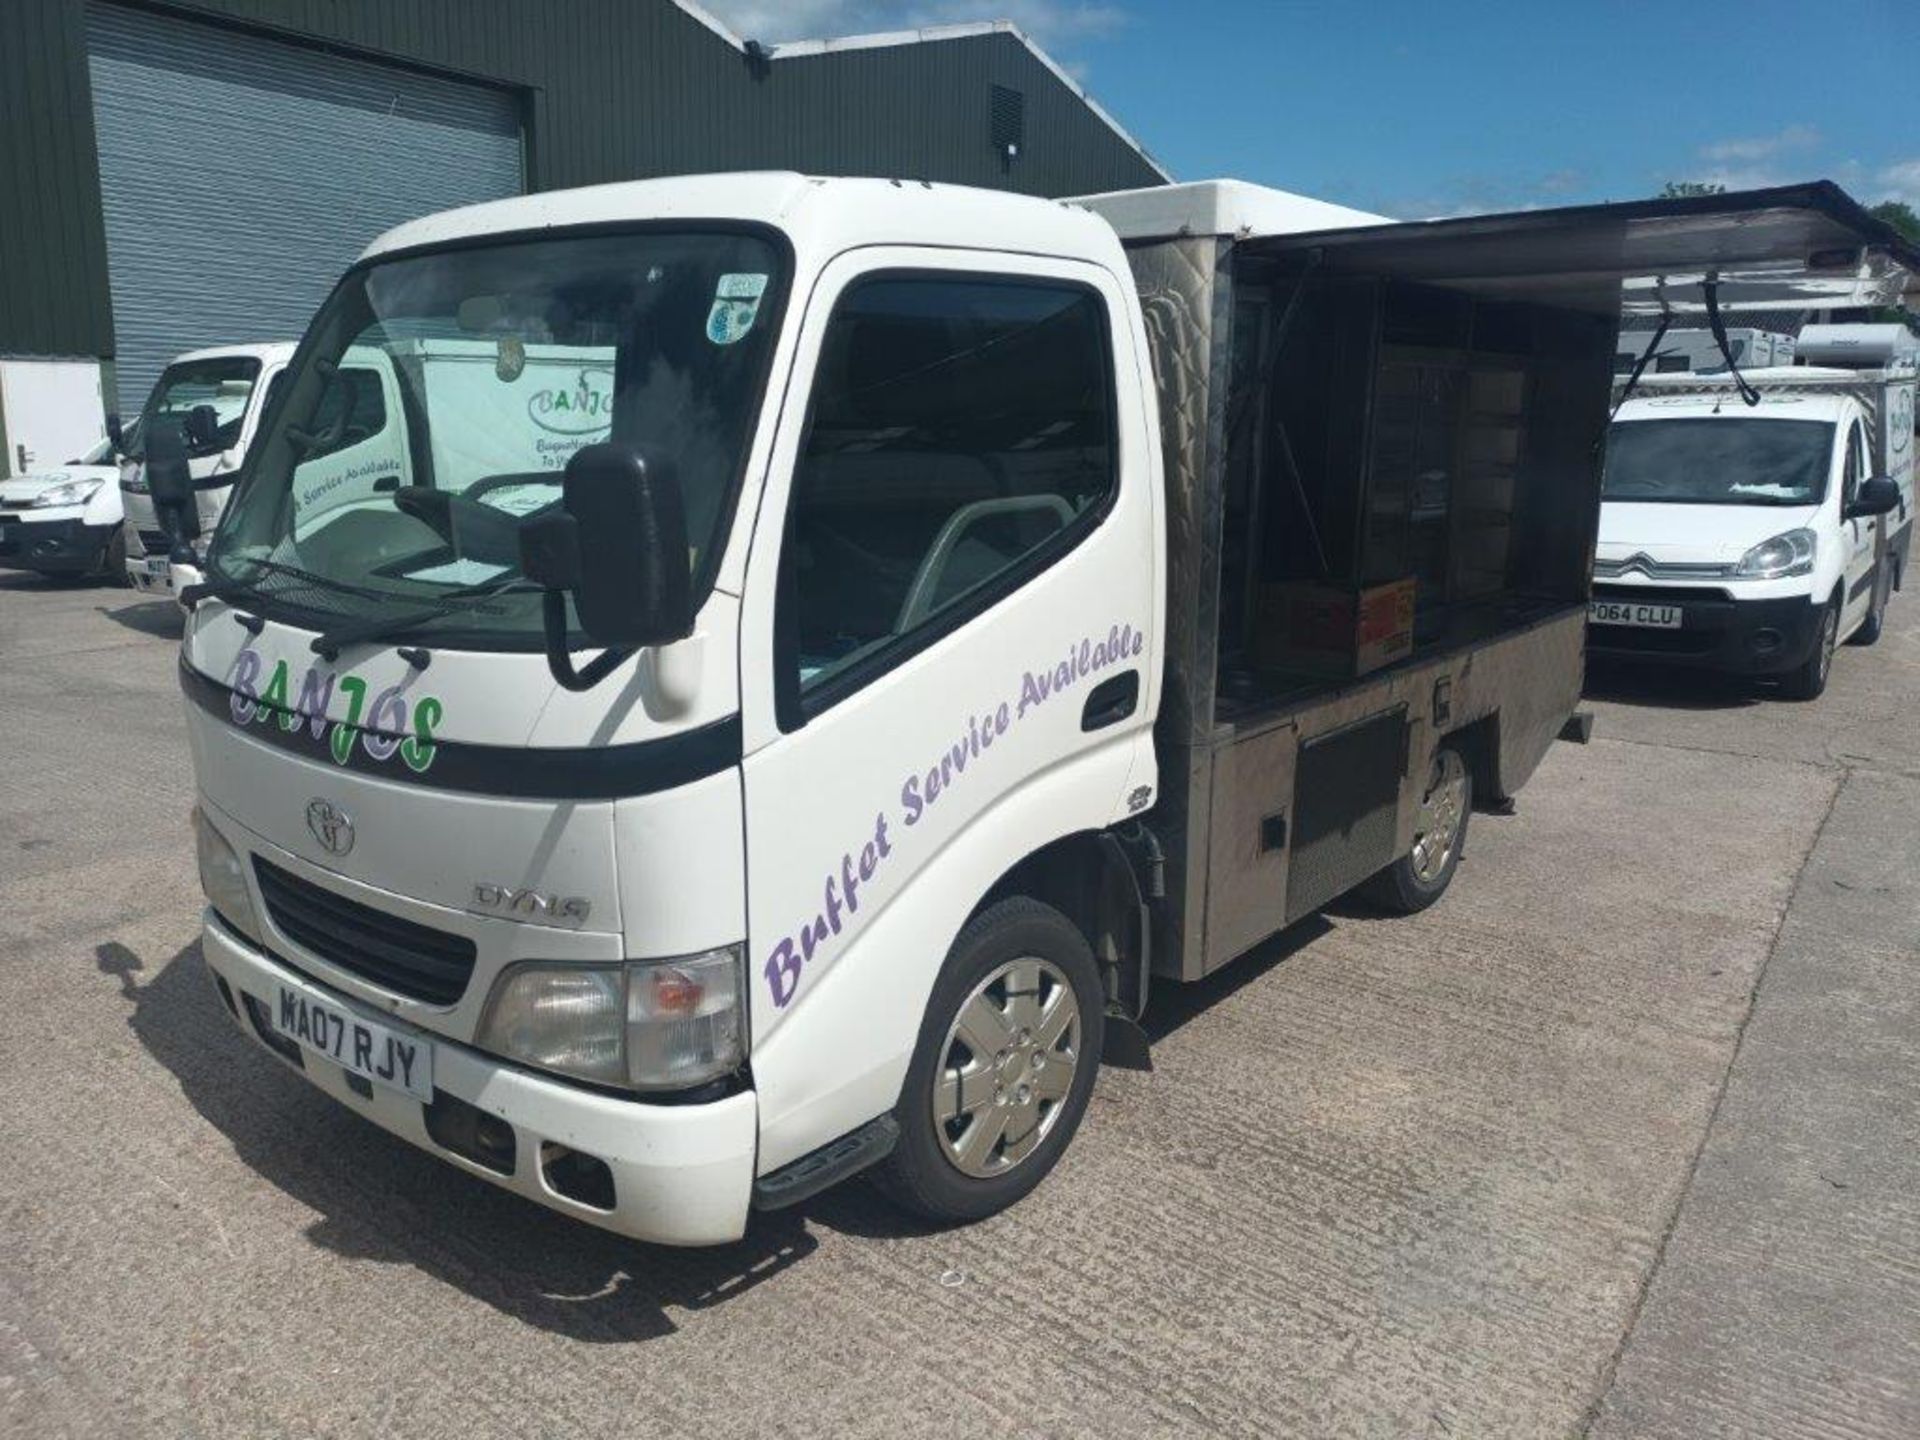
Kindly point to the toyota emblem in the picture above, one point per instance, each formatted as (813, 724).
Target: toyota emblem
(331, 826)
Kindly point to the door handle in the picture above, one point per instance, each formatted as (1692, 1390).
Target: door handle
(1111, 701)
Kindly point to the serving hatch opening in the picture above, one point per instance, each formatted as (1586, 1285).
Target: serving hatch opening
(1415, 415)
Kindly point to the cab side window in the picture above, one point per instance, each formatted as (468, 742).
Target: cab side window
(1856, 465)
(961, 438)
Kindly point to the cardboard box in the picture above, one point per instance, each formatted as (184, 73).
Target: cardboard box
(1338, 631)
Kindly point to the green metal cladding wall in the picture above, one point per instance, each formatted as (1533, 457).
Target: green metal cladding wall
(613, 89)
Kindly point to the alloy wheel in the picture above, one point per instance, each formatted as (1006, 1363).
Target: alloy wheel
(1443, 814)
(1006, 1069)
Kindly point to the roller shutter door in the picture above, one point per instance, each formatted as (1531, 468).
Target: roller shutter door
(240, 175)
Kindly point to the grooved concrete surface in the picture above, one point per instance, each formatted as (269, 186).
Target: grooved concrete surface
(1535, 1163)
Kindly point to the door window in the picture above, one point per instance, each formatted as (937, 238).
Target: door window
(961, 438)
(1856, 462)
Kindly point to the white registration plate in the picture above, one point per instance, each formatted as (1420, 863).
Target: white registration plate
(157, 570)
(1631, 612)
(380, 1054)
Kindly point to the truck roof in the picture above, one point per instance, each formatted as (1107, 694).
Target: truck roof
(1219, 207)
(265, 351)
(816, 212)
(1705, 397)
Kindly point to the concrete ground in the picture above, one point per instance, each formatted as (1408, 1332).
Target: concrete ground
(1618, 1140)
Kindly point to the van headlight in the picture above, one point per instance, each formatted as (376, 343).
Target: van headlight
(1775, 559)
(644, 1025)
(71, 492)
(223, 878)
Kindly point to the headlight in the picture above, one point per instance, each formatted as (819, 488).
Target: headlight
(645, 1025)
(1783, 555)
(223, 878)
(73, 492)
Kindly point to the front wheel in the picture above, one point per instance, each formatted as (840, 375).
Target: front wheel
(1004, 1066)
(1809, 680)
(1422, 875)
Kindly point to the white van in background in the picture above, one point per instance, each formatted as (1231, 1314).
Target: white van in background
(1754, 538)
(65, 520)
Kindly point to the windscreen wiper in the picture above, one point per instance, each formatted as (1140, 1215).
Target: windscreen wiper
(329, 642)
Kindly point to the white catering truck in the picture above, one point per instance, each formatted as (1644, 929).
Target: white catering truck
(1755, 538)
(198, 423)
(946, 614)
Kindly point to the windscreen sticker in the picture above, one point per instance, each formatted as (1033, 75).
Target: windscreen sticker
(791, 956)
(736, 301)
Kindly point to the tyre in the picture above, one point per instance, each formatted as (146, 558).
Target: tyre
(113, 559)
(1422, 875)
(1809, 680)
(1003, 1068)
(1875, 622)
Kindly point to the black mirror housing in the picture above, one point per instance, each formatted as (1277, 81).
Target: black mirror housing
(168, 477)
(116, 434)
(632, 579)
(1877, 496)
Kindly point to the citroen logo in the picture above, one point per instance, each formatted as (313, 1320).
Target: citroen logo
(331, 826)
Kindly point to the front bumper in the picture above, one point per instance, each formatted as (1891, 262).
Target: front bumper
(156, 575)
(1717, 631)
(682, 1174)
(54, 544)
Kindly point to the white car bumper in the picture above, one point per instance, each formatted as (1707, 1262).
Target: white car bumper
(682, 1174)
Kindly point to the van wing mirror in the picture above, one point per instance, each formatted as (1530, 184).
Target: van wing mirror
(619, 544)
(1876, 496)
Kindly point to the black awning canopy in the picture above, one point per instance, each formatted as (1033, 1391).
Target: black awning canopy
(1792, 245)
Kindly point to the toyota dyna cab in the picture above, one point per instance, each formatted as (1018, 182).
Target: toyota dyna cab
(954, 614)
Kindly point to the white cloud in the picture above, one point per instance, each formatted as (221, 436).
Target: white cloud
(1790, 141)
(1900, 181)
(1755, 162)
(1049, 22)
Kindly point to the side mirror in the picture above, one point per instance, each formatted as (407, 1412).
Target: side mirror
(619, 543)
(167, 475)
(203, 427)
(1877, 496)
(116, 434)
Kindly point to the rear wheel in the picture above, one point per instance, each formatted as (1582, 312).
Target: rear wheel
(1809, 681)
(1003, 1068)
(1422, 875)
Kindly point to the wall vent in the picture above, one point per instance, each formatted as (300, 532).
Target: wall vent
(1008, 123)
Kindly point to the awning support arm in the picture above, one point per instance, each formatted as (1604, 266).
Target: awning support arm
(1653, 345)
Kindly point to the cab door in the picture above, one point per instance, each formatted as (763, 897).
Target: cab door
(1860, 536)
(946, 637)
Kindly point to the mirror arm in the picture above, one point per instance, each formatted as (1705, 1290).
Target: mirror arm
(553, 605)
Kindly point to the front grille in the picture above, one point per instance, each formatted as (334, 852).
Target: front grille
(1660, 594)
(1652, 642)
(412, 960)
(156, 542)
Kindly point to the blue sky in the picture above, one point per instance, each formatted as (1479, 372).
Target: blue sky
(1439, 108)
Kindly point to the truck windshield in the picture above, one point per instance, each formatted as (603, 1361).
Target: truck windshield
(205, 399)
(1718, 460)
(441, 394)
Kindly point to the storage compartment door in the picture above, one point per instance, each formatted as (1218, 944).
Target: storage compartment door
(1346, 809)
